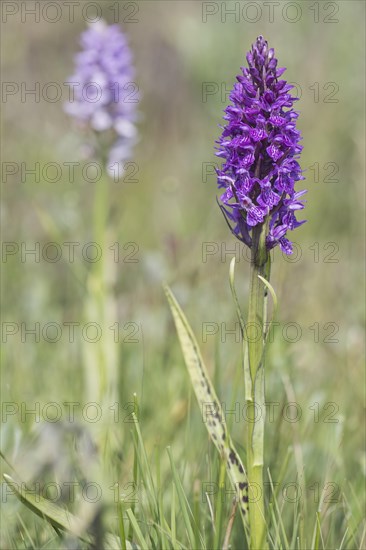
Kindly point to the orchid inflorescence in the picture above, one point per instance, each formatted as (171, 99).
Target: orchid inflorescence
(102, 84)
(260, 148)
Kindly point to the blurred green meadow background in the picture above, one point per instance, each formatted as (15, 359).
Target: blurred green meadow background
(163, 225)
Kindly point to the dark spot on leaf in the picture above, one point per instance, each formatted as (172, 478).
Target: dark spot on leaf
(232, 457)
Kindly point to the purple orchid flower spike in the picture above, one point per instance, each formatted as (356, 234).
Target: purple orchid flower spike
(104, 95)
(260, 149)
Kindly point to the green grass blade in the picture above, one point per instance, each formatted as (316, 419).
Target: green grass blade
(173, 527)
(145, 471)
(136, 529)
(162, 526)
(32, 543)
(135, 467)
(196, 512)
(277, 516)
(121, 526)
(184, 505)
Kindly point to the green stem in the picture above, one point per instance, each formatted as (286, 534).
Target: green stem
(101, 209)
(220, 494)
(256, 398)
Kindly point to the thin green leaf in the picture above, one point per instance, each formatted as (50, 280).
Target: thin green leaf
(278, 513)
(145, 471)
(173, 526)
(184, 505)
(275, 303)
(246, 367)
(136, 529)
(213, 418)
(58, 517)
(258, 428)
